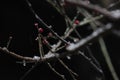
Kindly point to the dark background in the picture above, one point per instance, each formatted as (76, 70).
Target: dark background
(18, 21)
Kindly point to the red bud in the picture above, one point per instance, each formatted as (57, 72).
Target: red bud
(40, 30)
(76, 21)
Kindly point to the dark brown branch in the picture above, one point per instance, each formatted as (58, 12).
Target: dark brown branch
(5, 50)
(111, 15)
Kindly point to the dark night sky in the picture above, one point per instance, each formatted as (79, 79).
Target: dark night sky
(18, 21)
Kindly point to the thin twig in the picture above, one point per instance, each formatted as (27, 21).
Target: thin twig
(67, 68)
(50, 66)
(91, 62)
(28, 72)
(40, 46)
(5, 50)
(9, 41)
(107, 58)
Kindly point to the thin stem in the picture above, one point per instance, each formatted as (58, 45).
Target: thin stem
(91, 62)
(107, 58)
(50, 66)
(89, 20)
(5, 50)
(9, 41)
(40, 46)
(28, 72)
(67, 68)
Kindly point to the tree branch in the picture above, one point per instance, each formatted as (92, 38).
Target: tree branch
(93, 36)
(71, 48)
(5, 50)
(109, 14)
(43, 23)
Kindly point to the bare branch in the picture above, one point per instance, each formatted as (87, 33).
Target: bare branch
(95, 8)
(5, 50)
(62, 76)
(93, 36)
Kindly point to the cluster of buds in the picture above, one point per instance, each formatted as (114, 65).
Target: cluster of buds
(44, 40)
